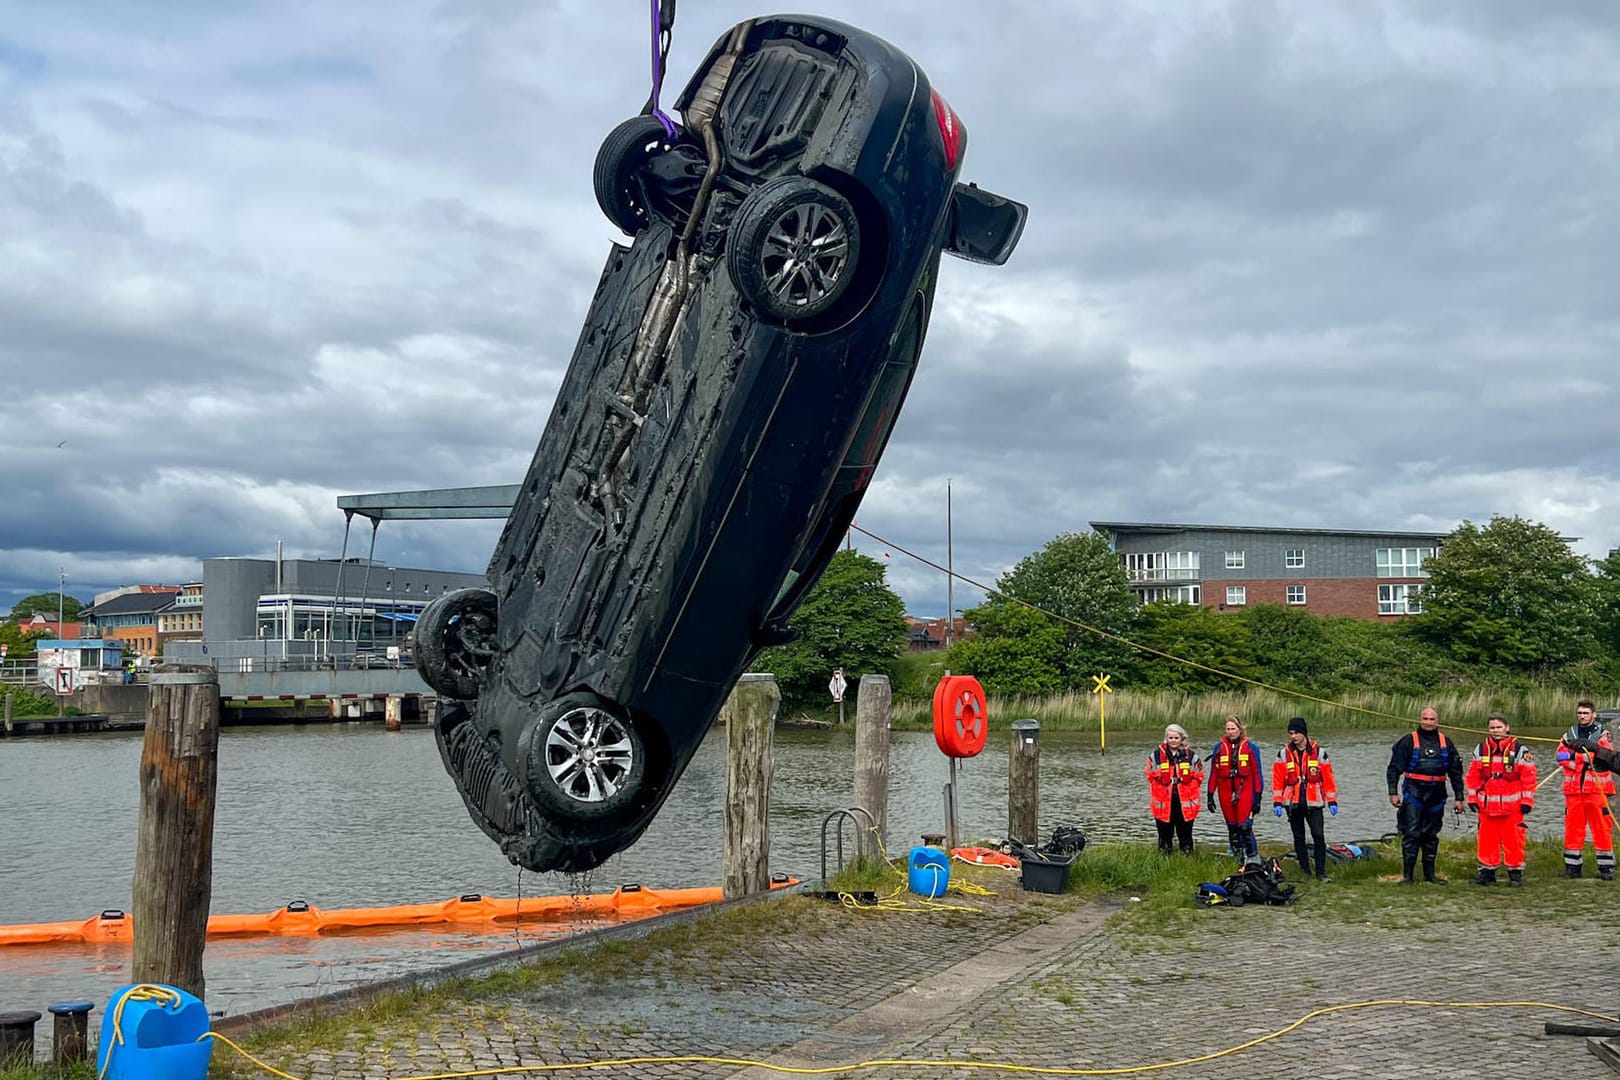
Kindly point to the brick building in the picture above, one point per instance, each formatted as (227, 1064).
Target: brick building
(1362, 574)
(130, 615)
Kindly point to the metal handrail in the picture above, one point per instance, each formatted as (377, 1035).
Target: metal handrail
(849, 813)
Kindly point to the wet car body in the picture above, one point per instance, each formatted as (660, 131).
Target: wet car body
(728, 400)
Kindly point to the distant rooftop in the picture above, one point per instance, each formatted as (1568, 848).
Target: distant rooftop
(1168, 527)
(135, 603)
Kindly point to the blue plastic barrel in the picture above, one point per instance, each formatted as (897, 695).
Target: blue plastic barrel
(159, 1037)
(930, 871)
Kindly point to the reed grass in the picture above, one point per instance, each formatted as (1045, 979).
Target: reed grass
(1134, 710)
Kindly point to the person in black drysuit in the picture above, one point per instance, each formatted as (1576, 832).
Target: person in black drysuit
(1420, 764)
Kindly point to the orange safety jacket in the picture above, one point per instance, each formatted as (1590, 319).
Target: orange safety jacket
(1309, 767)
(1579, 776)
(1501, 778)
(1181, 772)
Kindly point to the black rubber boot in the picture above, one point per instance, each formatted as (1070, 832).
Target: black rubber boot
(1429, 875)
(1572, 871)
(1407, 865)
(1606, 873)
(1515, 878)
(1486, 876)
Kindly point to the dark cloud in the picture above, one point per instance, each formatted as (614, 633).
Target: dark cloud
(1334, 265)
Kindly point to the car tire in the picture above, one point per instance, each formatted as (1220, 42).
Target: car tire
(455, 640)
(584, 759)
(795, 248)
(620, 160)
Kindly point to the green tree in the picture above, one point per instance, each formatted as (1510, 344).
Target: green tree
(20, 644)
(849, 619)
(1291, 648)
(1195, 633)
(1511, 595)
(1076, 577)
(1384, 657)
(1013, 650)
(45, 604)
(1607, 603)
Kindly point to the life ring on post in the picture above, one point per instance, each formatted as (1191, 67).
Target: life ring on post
(961, 721)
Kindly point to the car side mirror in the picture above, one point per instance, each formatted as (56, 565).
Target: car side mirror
(983, 226)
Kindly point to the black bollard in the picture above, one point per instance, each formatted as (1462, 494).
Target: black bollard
(70, 1036)
(17, 1037)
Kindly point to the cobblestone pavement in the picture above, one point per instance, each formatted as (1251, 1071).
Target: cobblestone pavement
(1036, 980)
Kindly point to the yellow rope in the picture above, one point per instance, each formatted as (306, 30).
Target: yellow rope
(953, 1063)
(1160, 652)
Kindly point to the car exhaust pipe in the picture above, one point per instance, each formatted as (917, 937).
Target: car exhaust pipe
(652, 339)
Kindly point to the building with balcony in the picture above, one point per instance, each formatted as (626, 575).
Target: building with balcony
(1356, 573)
(183, 620)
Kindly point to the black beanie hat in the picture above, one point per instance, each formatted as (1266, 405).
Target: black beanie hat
(1297, 724)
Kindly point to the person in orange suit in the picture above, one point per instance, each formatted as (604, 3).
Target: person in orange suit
(1587, 791)
(1301, 785)
(1236, 784)
(1175, 775)
(1501, 789)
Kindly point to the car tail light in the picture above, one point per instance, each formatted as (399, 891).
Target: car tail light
(950, 129)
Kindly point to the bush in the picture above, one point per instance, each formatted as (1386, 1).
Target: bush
(25, 702)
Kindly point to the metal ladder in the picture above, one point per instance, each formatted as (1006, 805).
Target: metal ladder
(847, 814)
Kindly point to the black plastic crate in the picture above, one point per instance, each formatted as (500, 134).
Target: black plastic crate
(1046, 875)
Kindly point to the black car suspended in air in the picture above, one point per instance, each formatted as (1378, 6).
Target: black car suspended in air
(740, 370)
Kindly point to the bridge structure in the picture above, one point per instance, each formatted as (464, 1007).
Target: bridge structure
(353, 684)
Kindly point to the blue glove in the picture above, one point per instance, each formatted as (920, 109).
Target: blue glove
(1277, 810)
(1563, 754)
(1333, 809)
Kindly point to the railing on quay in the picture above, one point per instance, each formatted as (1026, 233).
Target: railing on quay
(356, 662)
(19, 672)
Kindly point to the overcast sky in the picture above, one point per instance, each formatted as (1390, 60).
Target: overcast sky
(1298, 264)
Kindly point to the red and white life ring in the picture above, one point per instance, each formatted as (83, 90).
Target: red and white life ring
(961, 721)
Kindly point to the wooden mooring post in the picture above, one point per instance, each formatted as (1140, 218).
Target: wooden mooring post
(750, 718)
(873, 708)
(1024, 783)
(8, 714)
(174, 851)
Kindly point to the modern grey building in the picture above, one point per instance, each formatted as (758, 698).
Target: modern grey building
(283, 608)
(1363, 574)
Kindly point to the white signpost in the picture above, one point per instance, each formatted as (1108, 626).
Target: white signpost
(836, 684)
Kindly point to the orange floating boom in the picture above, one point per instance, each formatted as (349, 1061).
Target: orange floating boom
(299, 918)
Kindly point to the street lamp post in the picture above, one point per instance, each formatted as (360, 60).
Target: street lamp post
(61, 634)
(950, 569)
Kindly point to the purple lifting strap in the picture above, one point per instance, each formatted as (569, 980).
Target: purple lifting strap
(659, 48)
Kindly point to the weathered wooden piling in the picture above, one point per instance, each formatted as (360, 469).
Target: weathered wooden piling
(1024, 783)
(872, 715)
(174, 852)
(750, 719)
